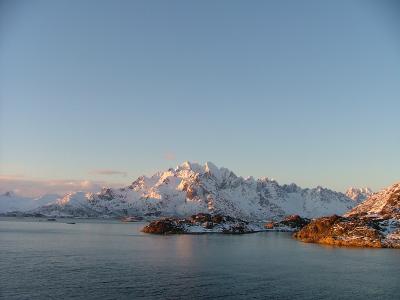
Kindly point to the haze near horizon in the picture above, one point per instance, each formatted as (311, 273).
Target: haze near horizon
(96, 93)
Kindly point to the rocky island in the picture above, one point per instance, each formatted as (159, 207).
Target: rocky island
(201, 223)
(208, 223)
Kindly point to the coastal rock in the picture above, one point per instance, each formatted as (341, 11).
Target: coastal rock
(351, 231)
(295, 221)
(164, 226)
(290, 223)
(270, 225)
(373, 223)
(201, 223)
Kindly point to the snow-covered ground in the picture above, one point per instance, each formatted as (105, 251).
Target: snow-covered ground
(9, 201)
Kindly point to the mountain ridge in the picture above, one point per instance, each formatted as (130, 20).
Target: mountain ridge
(383, 204)
(192, 188)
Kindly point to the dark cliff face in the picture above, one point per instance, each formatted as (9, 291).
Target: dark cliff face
(352, 232)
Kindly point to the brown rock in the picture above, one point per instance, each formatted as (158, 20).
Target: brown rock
(201, 218)
(290, 223)
(269, 225)
(295, 221)
(217, 219)
(340, 231)
(164, 226)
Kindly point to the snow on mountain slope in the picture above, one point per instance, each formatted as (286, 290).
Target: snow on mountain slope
(383, 204)
(9, 202)
(358, 194)
(192, 188)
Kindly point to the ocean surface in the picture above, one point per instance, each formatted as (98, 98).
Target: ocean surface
(96, 259)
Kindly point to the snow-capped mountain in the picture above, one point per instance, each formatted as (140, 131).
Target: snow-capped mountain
(193, 188)
(358, 194)
(9, 202)
(384, 204)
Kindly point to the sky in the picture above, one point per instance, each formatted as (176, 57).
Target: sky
(101, 92)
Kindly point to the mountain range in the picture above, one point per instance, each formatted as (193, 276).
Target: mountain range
(191, 188)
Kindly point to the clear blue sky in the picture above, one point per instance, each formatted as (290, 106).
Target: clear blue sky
(301, 91)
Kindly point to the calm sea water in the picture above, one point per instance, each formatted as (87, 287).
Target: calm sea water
(111, 260)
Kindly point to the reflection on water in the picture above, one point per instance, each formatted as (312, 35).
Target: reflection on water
(184, 247)
(112, 260)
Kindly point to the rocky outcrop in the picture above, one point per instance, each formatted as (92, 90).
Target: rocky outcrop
(200, 223)
(290, 223)
(352, 231)
(295, 221)
(373, 223)
(165, 226)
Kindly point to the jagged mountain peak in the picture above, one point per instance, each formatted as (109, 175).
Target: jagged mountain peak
(266, 179)
(75, 198)
(384, 204)
(191, 166)
(208, 167)
(358, 194)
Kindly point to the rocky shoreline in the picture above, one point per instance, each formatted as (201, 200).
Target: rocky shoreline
(334, 230)
(373, 223)
(352, 232)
